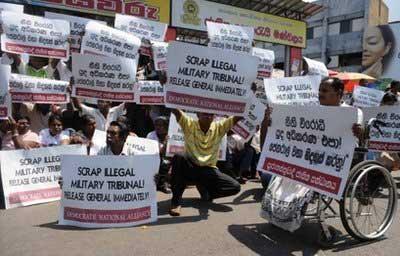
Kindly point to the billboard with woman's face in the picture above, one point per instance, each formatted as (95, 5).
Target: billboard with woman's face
(381, 53)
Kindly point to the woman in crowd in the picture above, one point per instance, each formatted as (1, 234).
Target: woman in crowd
(54, 135)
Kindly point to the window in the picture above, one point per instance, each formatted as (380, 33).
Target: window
(345, 26)
(334, 61)
(357, 25)
(317, 32)
(310, 33)
(334, 29)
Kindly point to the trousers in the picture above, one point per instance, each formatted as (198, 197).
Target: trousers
(216, 183)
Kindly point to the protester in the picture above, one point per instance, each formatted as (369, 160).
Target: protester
(21, 136)
(54, 135)
(104, 114)
(126, 121)
(38, 114)
(395, 89)
(160, 134)
(198, 165)
(116, 136)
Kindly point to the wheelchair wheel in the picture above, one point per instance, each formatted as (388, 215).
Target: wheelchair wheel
(369, 201)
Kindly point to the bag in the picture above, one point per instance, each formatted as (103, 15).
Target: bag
(284, 203)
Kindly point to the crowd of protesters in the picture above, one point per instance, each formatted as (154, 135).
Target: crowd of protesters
(44, 125)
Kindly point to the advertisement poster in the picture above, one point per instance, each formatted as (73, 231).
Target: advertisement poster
(381, 51)
(194, 14)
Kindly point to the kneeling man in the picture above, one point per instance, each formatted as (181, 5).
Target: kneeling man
(199, 163)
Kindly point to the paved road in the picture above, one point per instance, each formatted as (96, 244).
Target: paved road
(230, 226)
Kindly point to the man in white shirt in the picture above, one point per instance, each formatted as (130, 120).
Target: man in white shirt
(104, 114)
(116, 136)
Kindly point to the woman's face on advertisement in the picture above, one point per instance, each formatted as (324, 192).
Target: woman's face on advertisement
(374, 46)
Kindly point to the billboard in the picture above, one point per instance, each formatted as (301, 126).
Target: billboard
(381, 52)
(157, 10)
(193, 14)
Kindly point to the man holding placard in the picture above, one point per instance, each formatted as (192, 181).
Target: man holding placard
(198, 165)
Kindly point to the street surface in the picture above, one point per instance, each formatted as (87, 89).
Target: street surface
(230, 226)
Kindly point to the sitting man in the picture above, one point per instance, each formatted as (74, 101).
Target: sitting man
(202, 140)
(116, 136)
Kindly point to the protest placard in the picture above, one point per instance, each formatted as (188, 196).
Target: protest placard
(38, 90)
(103, 40)
(142, 28)
(255, 112)
(5, 101)
(389, 140)
(77, 25)
(108, 191)
(104, 78)
(298, 90)
(142, 146)
(149, 93)
(316, 68)
(34, 35)
(367, 97)
(308, 144)
(266, 62)
(160, 50)
(176, 140)
(230, 37)
(208, 80)
(16, 8)
(31, 176)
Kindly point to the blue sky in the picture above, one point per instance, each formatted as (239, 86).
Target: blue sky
(394, 9)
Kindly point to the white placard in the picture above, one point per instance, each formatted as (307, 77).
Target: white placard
(5, 99)
(144, 29)
(77, 25)
(230, 37)
(35, 35)
(38, 90)
(160, 50)
(208, 80)
(310, 145)
(390, 139)
(149, 93)
(31, 176)
(247, 127)
(103, 40)
(298, 90)
(266, 64)
(108, 191)
(104, 78)
(367, 97)
(17, 8)
(176, 140)
(142, 146)
(316, 68)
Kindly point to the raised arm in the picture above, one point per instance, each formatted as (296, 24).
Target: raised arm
(177, 113)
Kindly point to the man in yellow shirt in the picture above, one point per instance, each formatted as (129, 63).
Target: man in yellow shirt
(198, 164)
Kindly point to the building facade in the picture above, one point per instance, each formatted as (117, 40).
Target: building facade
(334, 36)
